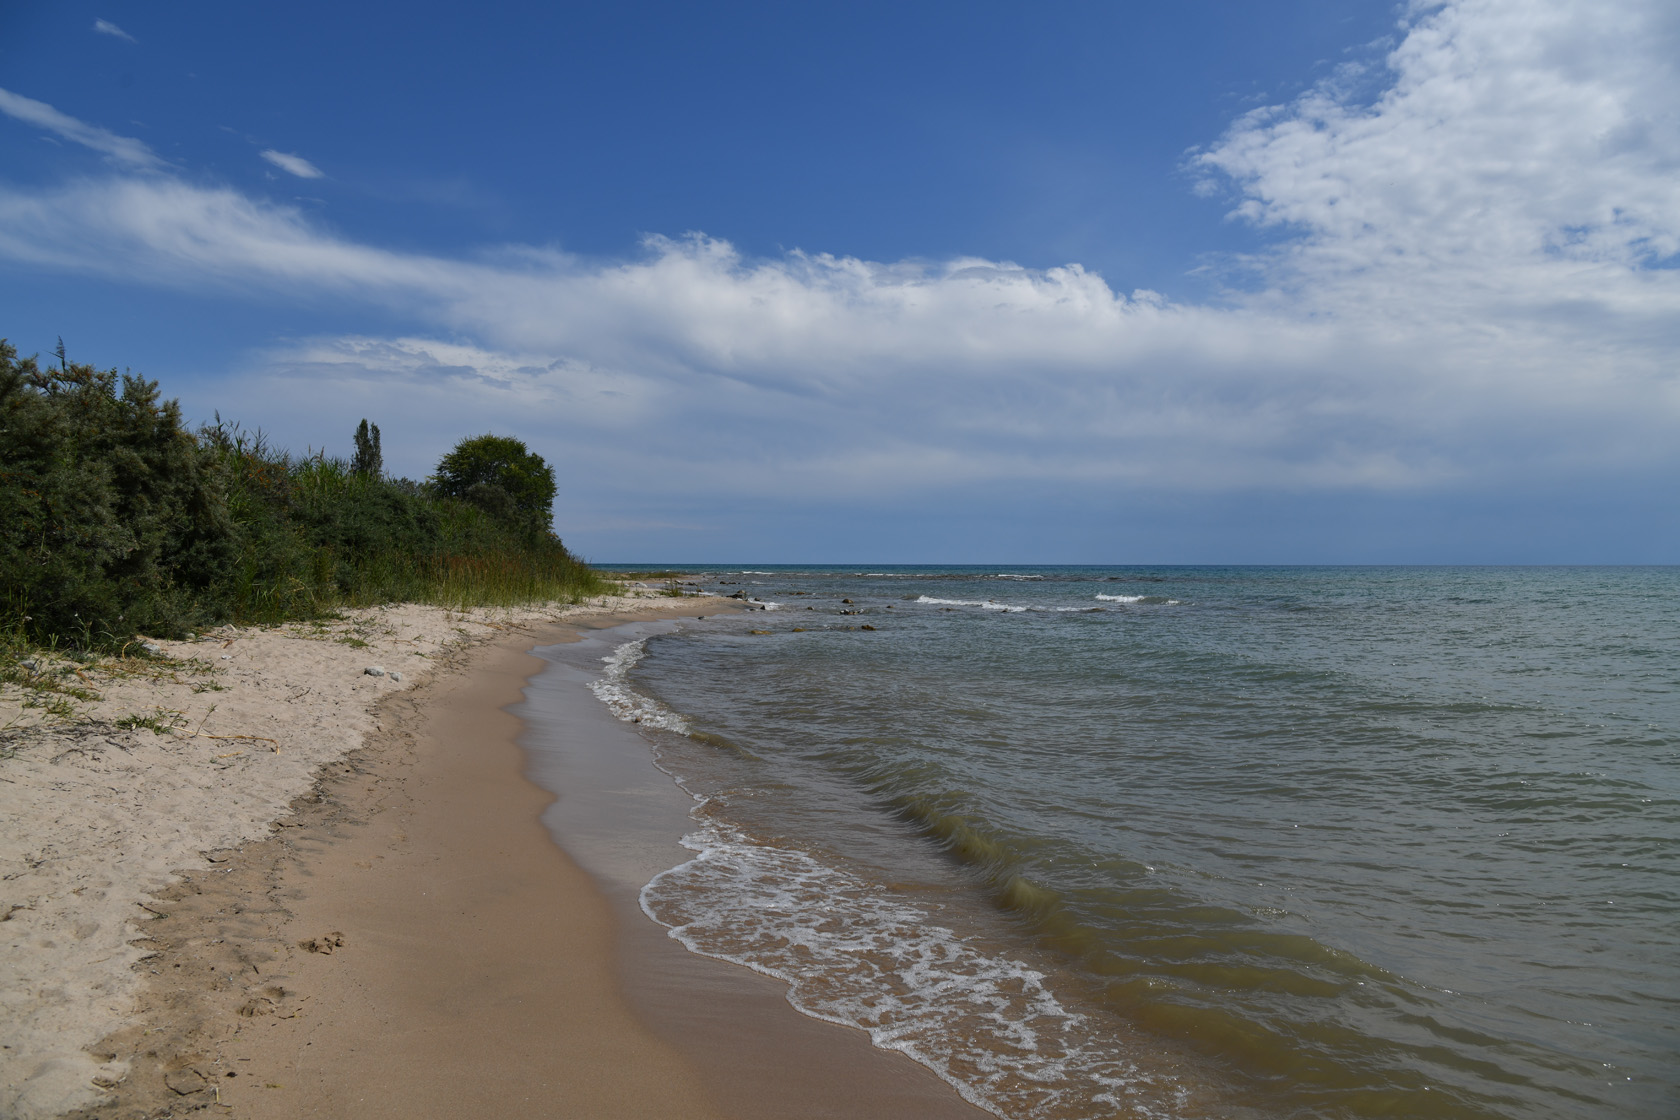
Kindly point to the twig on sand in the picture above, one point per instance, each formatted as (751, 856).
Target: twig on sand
(199, 733)
(258, 738)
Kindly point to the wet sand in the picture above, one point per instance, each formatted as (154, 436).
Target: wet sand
(414, 943)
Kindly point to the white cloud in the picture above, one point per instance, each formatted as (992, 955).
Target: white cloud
(106, 27)
(1517, 149)
(120, 149)
(1467, 292)
(292, 164)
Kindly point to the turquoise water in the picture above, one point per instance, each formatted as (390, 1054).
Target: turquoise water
(1198, 841)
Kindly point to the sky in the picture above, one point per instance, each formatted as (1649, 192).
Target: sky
(1103, 283)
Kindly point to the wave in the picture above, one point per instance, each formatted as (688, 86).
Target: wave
(1007, 608)
(626, 703)
(989, 604)
(852, 953)
(1150, 599)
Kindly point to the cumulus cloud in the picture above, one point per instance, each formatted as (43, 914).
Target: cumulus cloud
(1515, 150)
(292, 164)
(106, 27)
(119, 149)
(1472, 287)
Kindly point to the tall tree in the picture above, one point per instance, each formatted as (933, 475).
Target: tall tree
(369, 460)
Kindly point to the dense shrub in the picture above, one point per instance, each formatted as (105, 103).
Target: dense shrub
(112, 517)
(115, 520)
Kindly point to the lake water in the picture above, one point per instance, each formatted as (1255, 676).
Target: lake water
(1237, 842)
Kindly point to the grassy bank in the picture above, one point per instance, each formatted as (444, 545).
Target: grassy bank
(117, 521)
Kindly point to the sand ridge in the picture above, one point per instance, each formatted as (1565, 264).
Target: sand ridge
(178, 761)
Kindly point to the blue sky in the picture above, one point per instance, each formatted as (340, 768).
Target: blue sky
(1296, 282)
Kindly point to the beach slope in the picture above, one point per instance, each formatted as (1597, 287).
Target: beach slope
(166, 768)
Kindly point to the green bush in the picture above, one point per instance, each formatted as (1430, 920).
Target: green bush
(115, 520)
(112, 517)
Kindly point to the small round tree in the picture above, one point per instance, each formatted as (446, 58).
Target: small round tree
(501, 476)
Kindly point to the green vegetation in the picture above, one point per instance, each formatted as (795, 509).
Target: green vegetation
(116, 521)
(499, 476)
(368, 460)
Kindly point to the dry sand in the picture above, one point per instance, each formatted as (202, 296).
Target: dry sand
(98, 821)
(351, 908)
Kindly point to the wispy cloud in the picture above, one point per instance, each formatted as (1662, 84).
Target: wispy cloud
(121, 149)
(106, 27)
(1450, 308)
(292, 164)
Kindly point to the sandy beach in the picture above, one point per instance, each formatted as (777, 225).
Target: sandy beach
(255, 878)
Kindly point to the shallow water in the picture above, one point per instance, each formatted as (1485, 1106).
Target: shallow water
(1197, 841)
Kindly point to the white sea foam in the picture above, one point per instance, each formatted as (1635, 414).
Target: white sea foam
(989, 604)
(765, 604)
(626, 703)
(854, 953)
(1139, 599)
(994, 605)
(851, 952)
